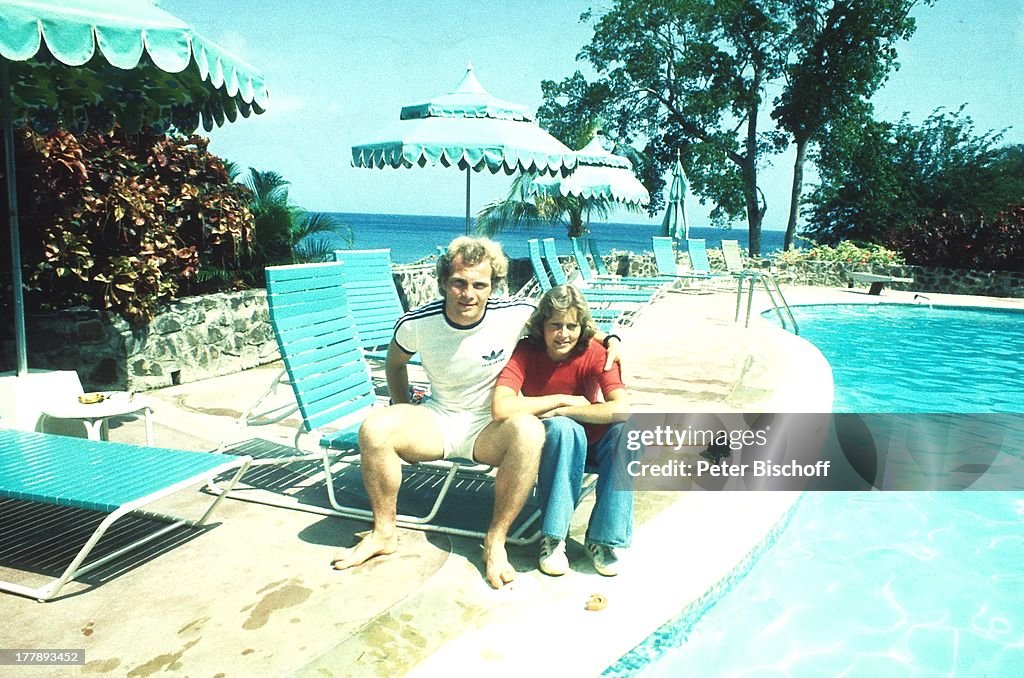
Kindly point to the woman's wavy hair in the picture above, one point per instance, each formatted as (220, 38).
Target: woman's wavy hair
(473, 251)
(562, 299)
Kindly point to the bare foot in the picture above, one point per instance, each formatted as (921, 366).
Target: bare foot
(499, 570)
(370, 546)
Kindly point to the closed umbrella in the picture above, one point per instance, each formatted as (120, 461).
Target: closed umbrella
(79, 64)
(599, 175)
(470, 129)
(674, 225)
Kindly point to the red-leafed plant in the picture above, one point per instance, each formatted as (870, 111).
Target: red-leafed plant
(124, 222)
(955, 241)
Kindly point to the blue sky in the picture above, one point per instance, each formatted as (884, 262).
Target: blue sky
(340, 71)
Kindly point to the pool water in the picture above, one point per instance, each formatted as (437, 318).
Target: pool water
(919, 358)
(872, 585)
(879, 583)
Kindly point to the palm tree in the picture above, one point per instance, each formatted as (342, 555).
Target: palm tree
(284, 233)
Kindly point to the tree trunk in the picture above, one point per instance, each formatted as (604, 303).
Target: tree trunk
(795, 193)
(749, 170)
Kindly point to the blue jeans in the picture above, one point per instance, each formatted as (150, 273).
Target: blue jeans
(560, 480)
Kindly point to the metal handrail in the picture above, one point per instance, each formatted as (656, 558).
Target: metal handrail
(771, 288)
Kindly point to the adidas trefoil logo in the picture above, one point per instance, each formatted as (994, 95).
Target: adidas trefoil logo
(493, 357)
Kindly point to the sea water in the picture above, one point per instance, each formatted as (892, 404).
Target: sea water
(412, 237)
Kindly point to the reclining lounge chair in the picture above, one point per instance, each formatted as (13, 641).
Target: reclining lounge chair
(323, 357)
(107, 478)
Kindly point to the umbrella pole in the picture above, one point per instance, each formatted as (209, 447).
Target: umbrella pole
(468, 174)
(12, 214)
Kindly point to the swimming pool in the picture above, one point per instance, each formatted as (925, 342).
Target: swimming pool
(919, 358)
(878, 584)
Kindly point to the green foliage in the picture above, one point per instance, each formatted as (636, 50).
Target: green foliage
(842, 53)
(123, 222)
(690, 75)
(953, 241)
(285, 233)
(521, 210)
(846, 252)
(879, 178)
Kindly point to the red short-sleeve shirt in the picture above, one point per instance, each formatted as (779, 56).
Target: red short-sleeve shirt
(531, 372)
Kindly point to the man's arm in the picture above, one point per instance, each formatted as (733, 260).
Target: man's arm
(396, 371)
(612, 343)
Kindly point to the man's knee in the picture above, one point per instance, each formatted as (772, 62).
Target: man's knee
(524, 430)
(378, 430)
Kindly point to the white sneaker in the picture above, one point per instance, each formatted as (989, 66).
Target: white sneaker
(553, 560)
(605, 561)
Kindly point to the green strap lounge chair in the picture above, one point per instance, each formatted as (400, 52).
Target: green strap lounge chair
(594, 278)
(99, 477)
(323, 357)
(604, 317)
(629, 298)
(372, 297)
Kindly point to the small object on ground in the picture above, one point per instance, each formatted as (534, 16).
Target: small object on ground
(716, 453)
(91, 398)
(597, 602)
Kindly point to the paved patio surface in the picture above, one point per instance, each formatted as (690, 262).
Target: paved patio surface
(253, 594)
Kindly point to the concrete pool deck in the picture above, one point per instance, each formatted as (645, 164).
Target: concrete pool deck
(254, 595)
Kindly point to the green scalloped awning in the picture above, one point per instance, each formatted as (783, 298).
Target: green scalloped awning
(81, 64)
(598, 175)
(467, 128)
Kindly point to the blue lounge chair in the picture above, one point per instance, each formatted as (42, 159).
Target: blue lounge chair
(596, 278)
(372, 297)
(323, 357)
(665, 259)
(629, 298)
(375, 306)
(604, 317)
(111, 478)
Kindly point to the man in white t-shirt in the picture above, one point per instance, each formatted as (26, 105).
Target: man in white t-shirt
(464, 341)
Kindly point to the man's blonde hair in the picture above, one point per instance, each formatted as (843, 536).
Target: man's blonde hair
(473, 251)
(562, 299)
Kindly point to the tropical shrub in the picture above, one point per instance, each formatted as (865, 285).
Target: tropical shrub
(847, 252)
(123, 222)
(283, 233)
(955, 241)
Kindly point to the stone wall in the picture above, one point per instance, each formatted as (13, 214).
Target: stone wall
(926, 278)
(201, 337)
(191, 339)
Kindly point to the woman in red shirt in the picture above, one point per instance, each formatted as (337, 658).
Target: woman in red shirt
(557, 373)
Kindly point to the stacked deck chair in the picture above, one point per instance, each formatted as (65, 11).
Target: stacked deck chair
(604, 317)
(600, 275)
(63, 495)
(665, 259)
(323, 356)
(630, 300)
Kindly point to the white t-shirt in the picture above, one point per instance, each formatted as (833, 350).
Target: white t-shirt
(462, 363)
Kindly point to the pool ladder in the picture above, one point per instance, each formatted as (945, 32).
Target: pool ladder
(771, 288)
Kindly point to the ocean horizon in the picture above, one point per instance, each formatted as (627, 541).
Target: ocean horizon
(413, 237)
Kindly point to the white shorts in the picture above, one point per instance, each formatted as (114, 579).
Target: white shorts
(459, 429)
